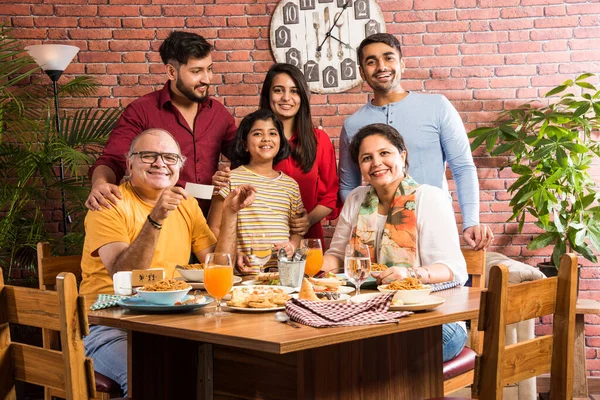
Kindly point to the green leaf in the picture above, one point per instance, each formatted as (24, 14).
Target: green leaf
(559, 249)
(521, 169)
(581, 110)
(545, 239)
(480, 131)
(576, 148)
(583, 76)
(556, 90)
(477, 142)
(503, 148)
(586, 85)
(562, 158)
(490, 142)
(594, 235)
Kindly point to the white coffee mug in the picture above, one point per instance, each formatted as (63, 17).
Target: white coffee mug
(122, 283)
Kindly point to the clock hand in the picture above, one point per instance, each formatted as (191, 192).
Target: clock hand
(346, 45)
(328, 33)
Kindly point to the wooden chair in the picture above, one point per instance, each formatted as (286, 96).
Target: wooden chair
(502, 305)
(49, 267)
(460, 371)
(62, 310)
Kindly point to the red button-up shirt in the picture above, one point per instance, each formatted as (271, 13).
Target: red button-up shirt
(213, 133)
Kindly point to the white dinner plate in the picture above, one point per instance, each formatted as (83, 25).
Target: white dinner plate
(431, 302)
(253, 282)
(200, 285)
(341, 289)
(343, 298)
(224, 305)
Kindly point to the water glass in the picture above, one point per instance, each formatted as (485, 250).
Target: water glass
(357, 264)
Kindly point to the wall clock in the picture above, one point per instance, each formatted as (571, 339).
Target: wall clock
(320, 37)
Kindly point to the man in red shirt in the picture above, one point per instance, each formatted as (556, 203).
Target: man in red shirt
(201, 125)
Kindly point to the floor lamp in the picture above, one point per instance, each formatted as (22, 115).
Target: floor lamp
(54, 59)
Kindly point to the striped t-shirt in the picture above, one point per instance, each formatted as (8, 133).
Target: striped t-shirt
(277, 201)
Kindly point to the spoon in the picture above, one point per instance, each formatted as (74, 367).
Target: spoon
(283, 317)
(282, 255)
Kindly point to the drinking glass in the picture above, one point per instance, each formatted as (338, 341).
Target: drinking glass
(261, 250)
(218, 279)
(314, 255)
(357, 264)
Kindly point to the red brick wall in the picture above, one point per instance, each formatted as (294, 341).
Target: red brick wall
(484, 55)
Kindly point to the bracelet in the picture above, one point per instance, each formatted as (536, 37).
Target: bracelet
(428, 276)
(154, 224)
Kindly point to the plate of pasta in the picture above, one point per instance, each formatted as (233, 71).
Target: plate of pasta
(407, 290)
(164, 292)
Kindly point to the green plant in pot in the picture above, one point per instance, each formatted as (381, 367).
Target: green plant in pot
(30, 153)
(551, 150)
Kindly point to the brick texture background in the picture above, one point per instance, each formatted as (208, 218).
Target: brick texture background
(484, 55)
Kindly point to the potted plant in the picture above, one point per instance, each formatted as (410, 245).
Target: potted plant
(30, 150)
(551, 149)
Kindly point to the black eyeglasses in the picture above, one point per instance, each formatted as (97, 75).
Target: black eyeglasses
(150, 157)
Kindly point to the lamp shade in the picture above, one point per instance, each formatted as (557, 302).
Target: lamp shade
(52, 57)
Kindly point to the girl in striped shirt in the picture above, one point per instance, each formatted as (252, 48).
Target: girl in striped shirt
(261, 143)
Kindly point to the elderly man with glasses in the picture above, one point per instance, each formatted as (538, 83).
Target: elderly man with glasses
(155, 225)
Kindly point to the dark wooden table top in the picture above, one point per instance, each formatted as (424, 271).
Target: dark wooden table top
(262, 332)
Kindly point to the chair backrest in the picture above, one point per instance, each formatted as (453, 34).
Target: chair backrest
(62, 310)
(502, 305)
(49, 267)
(476, 268)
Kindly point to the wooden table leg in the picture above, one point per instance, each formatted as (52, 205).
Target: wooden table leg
(580, 386)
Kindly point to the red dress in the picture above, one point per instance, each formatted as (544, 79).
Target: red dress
(320, 185)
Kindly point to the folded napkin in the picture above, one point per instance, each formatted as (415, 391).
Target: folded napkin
(106, 301)
(320, 314)
(436, 287)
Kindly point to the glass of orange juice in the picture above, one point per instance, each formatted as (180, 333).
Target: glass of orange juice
(314, 255)
(218, 279)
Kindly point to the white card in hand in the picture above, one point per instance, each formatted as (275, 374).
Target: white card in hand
(199, 191)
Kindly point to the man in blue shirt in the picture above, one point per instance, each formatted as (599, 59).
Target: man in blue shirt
(431, 127)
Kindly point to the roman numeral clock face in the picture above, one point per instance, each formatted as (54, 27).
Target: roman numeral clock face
(320, 37)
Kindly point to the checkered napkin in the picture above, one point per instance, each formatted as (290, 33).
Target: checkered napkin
(436, 287)
(106, 301)
(320, 314)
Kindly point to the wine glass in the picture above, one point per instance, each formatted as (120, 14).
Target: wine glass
(357, 264)
(261, 250)
(314, 255)
(218, 279)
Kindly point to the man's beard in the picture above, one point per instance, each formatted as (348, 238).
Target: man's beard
(190, 94)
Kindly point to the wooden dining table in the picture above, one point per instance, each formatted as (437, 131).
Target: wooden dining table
(254, 356)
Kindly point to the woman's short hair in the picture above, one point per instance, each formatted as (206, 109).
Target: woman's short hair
(240, 155)
(386, 131)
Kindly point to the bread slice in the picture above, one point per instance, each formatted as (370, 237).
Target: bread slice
(307, 292)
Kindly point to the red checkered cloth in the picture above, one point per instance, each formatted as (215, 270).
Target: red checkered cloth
(321, 314)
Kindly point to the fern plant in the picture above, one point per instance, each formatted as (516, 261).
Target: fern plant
(30, 151)
(551, 150)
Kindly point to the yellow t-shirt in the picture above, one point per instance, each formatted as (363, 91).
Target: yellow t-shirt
(183, 231)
